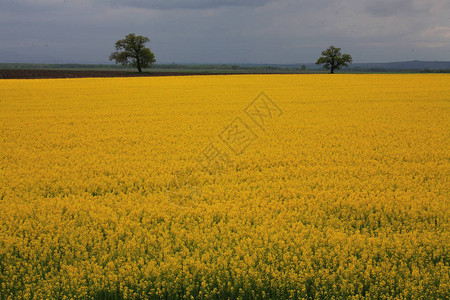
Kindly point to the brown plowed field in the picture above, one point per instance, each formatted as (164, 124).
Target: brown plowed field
(42, 74)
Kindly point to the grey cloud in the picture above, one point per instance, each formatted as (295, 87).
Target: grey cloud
(386, 8)
(189, 4)
(19, 7)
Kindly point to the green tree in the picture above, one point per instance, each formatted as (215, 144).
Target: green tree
(332, 59)
(132, 52)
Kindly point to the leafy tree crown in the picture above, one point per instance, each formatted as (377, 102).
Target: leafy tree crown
(132, 52)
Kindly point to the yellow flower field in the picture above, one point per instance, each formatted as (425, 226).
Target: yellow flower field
(225, 187)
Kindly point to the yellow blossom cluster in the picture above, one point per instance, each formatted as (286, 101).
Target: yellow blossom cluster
(225, 187)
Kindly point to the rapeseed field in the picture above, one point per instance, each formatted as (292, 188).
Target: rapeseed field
(225, 187)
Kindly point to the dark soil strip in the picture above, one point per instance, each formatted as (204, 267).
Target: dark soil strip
(44, 74)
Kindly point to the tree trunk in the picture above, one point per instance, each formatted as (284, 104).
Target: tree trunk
(138, 64)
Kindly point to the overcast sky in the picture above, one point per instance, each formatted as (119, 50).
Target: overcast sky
(225, 31)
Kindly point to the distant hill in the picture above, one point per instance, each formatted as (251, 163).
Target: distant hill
(393, 66)
(406, 65)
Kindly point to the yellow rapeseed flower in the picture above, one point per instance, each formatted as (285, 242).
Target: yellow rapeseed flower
(229, 187)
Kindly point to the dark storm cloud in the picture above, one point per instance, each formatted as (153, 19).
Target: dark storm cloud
(225, 31)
